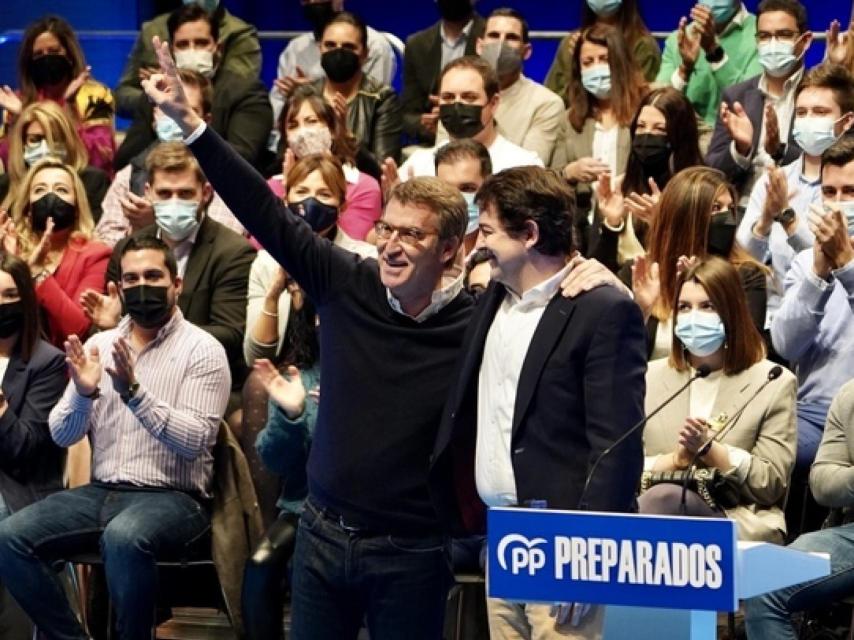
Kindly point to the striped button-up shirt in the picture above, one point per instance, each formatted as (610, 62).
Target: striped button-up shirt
(163, 436)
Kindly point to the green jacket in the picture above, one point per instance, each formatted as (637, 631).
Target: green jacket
(646, 55)
(705, 86)
(241, 55)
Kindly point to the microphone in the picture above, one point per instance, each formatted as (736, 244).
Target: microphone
(702, 371)
(773, 374)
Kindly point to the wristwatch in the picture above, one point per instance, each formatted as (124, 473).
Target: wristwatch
(785, 217)
(716, 55)
(131, 392)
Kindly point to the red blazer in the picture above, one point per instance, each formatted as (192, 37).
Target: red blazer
(83, 267)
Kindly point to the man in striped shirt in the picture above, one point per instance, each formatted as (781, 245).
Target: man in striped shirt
(150, 395)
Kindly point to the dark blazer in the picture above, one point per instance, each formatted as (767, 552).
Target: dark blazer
(581, 387)
(751, 98)
(241, 113)
(422, 63)
(373, 117)
(31, 465)
(213, 295)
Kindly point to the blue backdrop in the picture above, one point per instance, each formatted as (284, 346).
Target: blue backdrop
(107, 54)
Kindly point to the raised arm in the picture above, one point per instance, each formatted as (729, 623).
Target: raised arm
(312, 260)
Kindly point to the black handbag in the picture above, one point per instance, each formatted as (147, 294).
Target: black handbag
(708, 483)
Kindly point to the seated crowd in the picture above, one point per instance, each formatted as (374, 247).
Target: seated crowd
(498, 278)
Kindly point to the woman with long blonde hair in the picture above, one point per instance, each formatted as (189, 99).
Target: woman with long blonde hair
(44, 130)
(51, 229)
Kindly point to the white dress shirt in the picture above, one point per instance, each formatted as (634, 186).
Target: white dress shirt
(506, 347)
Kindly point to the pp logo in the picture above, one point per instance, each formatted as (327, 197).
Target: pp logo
(523, 554)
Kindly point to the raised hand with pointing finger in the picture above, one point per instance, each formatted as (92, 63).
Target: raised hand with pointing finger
(165, 90)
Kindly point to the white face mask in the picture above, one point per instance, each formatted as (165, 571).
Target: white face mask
(778, 57)
(814, 134)
(198, 60)
(308, 140)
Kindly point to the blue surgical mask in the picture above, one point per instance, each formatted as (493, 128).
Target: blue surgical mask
(722, 10)
(33, 154)
(814, 135)
(474, 212)
(847, 208)
(702, 332)
(167, 129)
(604, 8)
(176, 218)
(778, 57)
(597, 80)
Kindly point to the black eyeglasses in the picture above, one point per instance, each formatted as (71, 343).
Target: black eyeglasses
(407, 235)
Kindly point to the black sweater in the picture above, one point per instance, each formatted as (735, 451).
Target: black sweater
(385, 376)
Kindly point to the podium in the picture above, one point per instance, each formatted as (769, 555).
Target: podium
(661, 576)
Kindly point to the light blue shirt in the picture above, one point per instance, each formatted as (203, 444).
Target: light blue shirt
(778, 247)
(814, 328)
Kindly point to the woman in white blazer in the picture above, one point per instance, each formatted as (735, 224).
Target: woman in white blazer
(756, 450)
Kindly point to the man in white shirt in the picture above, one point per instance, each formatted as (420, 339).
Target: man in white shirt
(753, 129)
(550, 382)
(299, 63)
(468, 100)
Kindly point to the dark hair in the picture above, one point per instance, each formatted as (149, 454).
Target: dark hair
(344, 144)
(346, 17)
(144, 242)
(487, 73)
(722, 283)
(628, 85)
(839, 154)
(681, 228)
(300, 345)
(506, 12)
(67, 38)
(461, 149)
(681, 132)
(190, 78)
(835, 77)
(23, 279)
(792, 7)
(628, 21)
(191, 13)
(535, 194)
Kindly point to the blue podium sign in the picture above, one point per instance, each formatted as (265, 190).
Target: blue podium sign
(605, 558)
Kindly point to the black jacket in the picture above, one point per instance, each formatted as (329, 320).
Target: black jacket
(241, 113)
(373, 116)
(581, 386)
(31, 464)
(422, 64)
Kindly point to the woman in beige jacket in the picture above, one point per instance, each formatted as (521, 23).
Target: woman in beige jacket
(754, 448)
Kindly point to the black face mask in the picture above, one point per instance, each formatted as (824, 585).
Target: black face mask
(50, 70)
(722, 228)
(319, 216)
(147, 305)
(652, 150)
(51, 205)
(340, 64)
(11, 318)
(318, 15)
(461, 120)
(454, 10)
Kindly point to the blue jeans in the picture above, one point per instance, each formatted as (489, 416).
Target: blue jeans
(342, 577)
(811, 419)
(132, 527)
(769, 616)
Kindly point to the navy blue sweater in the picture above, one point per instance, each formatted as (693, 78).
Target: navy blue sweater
(385, 376)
